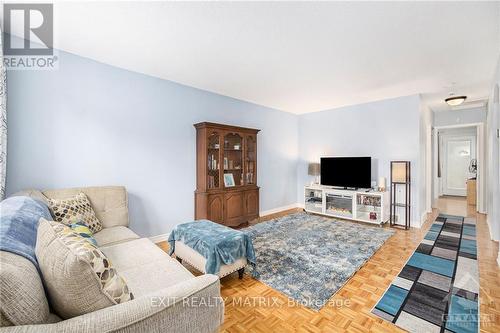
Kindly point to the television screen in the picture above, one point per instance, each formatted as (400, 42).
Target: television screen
(346, 171)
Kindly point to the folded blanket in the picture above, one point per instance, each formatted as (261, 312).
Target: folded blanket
(218, 244)
(18, 225)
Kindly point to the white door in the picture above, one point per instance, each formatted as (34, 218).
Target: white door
(457, 152)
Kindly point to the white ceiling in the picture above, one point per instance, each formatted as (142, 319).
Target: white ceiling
(295, 56)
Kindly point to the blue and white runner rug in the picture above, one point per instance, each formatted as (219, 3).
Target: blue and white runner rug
(438, 288)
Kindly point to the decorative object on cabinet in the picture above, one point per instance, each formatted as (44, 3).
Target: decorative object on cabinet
(226, 174)
(400, 176)
(314, 170)
(381, 184)
(228, 180)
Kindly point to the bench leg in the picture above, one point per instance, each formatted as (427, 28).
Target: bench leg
(240, 273)
(178, 259)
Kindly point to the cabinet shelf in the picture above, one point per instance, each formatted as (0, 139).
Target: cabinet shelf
(400, 205)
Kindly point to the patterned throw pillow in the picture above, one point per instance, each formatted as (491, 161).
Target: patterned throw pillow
(78, 276)
(75, 209)
(81, 229)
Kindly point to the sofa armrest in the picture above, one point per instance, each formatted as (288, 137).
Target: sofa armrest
(194, 305)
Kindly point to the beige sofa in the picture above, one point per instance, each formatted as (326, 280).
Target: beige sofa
(168, 298)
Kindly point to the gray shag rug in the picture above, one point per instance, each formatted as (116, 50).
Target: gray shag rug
(309, 257)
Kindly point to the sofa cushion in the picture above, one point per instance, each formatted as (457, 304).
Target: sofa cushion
(83, 230)
(22, 298)
(110, 203)
(114, 235)
(145, 266)
(74, 209)
(32, 193)
(78, 277)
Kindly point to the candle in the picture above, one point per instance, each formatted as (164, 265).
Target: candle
(381, 183)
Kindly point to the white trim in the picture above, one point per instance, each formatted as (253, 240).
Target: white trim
(435, 179)
(423, 219)
(279, 209)
(428, 169)
(481, 171)
(159, 238)
(489, 223)
(458, 125)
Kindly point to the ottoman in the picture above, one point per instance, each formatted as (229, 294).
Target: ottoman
(212, 248)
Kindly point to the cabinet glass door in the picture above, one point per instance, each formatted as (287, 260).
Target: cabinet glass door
(213, 174)
(233, 160)
(250, 160)
(369, 207)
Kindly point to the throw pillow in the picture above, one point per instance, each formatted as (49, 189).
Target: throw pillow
(75, 209)
(78, 277)
(81, 229)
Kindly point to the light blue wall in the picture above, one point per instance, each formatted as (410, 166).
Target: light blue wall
(385, 130)
(88, 124)
(460, 117)
(93, 124)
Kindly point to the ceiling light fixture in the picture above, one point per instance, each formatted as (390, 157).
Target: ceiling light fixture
(455, 100)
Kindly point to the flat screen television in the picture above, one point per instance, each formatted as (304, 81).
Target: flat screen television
(346, 172)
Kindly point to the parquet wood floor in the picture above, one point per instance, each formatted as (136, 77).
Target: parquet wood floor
(349, 310)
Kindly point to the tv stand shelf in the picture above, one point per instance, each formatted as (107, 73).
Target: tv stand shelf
(358, 205)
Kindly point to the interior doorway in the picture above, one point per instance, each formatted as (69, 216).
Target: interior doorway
(458, 158)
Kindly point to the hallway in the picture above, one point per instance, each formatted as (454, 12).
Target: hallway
(489, 272)
(455, 205)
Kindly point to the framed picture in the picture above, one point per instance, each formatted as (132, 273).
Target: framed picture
(228, 180)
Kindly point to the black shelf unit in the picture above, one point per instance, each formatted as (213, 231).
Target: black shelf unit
(400, 176)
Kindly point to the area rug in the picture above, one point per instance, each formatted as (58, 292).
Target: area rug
(309, 257)
(437, 290)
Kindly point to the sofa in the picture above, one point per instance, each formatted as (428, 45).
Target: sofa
(167, 297)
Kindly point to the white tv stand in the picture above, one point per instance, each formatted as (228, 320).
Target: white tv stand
(359, 205)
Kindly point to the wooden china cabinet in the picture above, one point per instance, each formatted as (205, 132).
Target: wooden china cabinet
(226, 174)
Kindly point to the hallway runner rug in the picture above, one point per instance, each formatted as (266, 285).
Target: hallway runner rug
(438, 288)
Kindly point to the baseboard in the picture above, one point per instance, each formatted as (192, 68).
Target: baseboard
(279, 209)
(490, 228)
(424, 218)
(159, 238)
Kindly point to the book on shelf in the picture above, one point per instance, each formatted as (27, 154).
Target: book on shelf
(249, 177)
(211, 182)
(212, 162)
